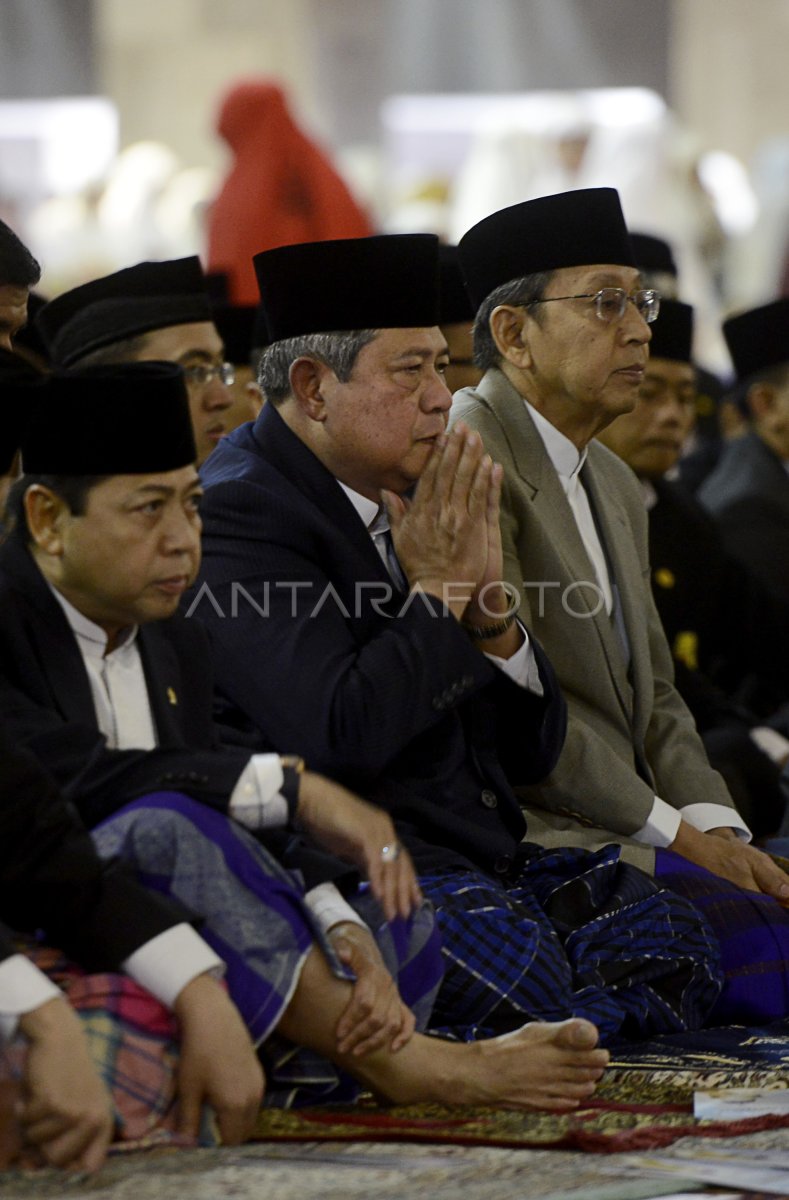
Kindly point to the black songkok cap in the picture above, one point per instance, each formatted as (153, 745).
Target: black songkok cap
(389, 281)
(29, 336)
(217, 284)
(149, 295)
(759, 338)
(672, 332)
(456, 306)
(19, 384)
(125, 419)
(571, 229)
(653, 254)
(236, 326)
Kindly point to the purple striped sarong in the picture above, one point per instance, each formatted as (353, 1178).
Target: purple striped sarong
(255, 918)
(753, 932)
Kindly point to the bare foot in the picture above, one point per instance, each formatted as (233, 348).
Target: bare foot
(542, 1065)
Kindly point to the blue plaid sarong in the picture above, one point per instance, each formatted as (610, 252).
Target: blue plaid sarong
(574, 933)
(753, 933)
(256, 919)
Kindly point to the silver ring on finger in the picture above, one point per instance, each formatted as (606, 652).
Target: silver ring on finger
(390, 853)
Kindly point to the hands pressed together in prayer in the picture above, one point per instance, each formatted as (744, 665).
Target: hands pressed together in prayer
(447, 537)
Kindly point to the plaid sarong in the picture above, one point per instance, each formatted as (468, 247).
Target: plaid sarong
(133, 1041)
(753, 932)
(256, 919)
(573, 934)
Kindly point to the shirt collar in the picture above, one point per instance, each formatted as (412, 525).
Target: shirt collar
(91, 637)
(649, 494)
(565, 456)
(373, 515)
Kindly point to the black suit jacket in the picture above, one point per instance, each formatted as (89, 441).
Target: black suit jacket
(714, 609)
(51, 877)
(46, 702)
(748, 495)
(394, 701)
(46, 705)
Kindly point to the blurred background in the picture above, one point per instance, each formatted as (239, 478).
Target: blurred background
(432, 112)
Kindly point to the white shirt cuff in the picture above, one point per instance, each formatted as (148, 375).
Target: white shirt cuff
(521, 667)
(255, 800)
(165, 964)
(329, 907)
(23, 988)
(716, 816)
(661, 826)
(772, 743)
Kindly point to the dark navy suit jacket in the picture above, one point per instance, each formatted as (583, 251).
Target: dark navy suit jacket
(46, 706)
(315, 651)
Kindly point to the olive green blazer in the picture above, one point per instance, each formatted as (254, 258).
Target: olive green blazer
(630, 736)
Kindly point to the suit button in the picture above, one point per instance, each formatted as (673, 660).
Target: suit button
(489, 798)
(502, 865)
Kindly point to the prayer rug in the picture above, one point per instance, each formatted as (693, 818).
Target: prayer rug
(644, 1101)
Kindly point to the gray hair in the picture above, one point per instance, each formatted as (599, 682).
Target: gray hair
(337, 351)
(525, 290)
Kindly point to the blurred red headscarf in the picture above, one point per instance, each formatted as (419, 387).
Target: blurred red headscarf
(281, 189)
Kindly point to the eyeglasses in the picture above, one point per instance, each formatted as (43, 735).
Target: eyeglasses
(611, 302)
(201, 375)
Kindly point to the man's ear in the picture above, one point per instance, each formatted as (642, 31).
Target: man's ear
(307, 376)
(508, 330)
(46, 512)
(760, 399)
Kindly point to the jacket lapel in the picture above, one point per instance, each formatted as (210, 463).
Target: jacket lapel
(52, 641)
(284, 451)
(556, 517)
(165, 685)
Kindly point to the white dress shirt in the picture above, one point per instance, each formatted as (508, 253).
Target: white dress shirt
(663, 822)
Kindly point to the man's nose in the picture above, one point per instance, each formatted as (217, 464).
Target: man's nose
(437, 395)
(216, 395)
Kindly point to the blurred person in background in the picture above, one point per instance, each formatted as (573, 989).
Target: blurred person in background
(281, 188)
(151, 311)
(748, 492)
(714, 416)
(242, 330)
(456, 321)
(701, 593)
(19, 274)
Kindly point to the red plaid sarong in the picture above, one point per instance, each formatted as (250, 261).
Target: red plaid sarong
(133, 1041)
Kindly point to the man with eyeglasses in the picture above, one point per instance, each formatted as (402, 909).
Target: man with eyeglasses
(562, 332)
(153, 311)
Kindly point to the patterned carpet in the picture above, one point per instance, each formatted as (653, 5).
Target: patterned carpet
(357, 1171)
(644, 1102)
